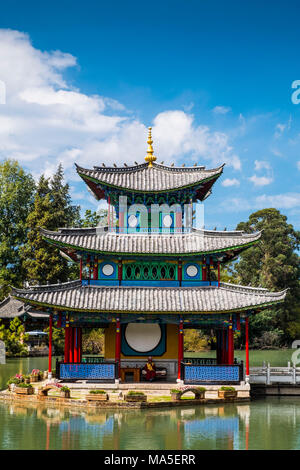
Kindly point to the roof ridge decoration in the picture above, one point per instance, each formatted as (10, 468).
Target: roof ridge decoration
(150, 157)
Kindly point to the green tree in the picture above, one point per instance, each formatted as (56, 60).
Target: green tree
(14, 338)
(16, 196)
(52, 209)
(273, 263)
(94, 219)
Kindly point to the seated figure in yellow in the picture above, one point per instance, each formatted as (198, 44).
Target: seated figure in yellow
(150, 370)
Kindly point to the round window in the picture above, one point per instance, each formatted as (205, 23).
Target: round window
(192, 270)
(167, 221)
(132, 221)
(143, 337)
(107, 269)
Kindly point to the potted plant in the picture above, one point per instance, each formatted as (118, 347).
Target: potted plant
(27, 379)
(35, 375)
(135, 396)
(65, 392)
(24, 389)
(13, 382)
(227, 392)
(97, 395)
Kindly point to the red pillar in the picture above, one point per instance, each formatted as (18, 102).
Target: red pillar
(67, 347)
(230, 345)
(120, 272)
(118, 345)
(79, 344)
(95, 273)
(75, 344)
(247, 345)
(71, 344)
(50, 344)
(180, 272)
(218, 273)
(180, 348)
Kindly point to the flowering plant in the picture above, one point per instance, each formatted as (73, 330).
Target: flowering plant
(19, 376)
(35, 372)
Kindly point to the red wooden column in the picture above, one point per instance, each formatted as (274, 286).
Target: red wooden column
(218, 273)
(180, 349)
(79, 347)
(75, 344)
(230, 344)
(67, 347)
(247, 348)
(50, 345)
(71, 344)
(95, 272)
(120, 269)
(118, 346)
(180, 272)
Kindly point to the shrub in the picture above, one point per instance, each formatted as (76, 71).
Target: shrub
(201, 389)
(14, 380)
(97, 392)
(227, 389)
(134, 393)
(64, 389)
(175, 390)
(24, 385)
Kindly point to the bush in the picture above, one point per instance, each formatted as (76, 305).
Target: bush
(64, 389)
(135, 393)
(14, 380)
(227, 389)
(201, 389)
(97, 392)
(24, 385)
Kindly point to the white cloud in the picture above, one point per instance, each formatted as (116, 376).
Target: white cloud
(282, 201)
(230, 182)
(261, 180)
(221, 109)
(46, 121)
(261, 165)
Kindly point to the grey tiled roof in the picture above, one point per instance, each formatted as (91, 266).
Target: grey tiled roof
(197, 241)
(156, 179)
(11, 308)
(74, 296)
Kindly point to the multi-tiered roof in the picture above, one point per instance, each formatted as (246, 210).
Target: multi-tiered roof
(150, 182)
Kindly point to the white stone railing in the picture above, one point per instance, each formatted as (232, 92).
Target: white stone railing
(268, 375)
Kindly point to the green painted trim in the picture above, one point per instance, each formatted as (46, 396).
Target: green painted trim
(165, 255)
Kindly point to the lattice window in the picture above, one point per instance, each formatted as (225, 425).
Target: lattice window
(150, 271)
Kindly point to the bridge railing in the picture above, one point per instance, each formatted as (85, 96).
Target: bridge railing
(267, 374)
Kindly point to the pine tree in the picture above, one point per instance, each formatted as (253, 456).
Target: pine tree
(52, 210)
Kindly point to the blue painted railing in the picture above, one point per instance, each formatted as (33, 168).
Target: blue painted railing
(104, 371)
(212, 373)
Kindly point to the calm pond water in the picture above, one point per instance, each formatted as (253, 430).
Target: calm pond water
(272, 423)
(262, 424)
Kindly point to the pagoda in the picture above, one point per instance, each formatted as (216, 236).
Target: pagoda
(147, 276)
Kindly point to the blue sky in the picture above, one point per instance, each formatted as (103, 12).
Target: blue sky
(85, 79)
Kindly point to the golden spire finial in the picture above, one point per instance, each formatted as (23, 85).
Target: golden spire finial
(150, 157)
